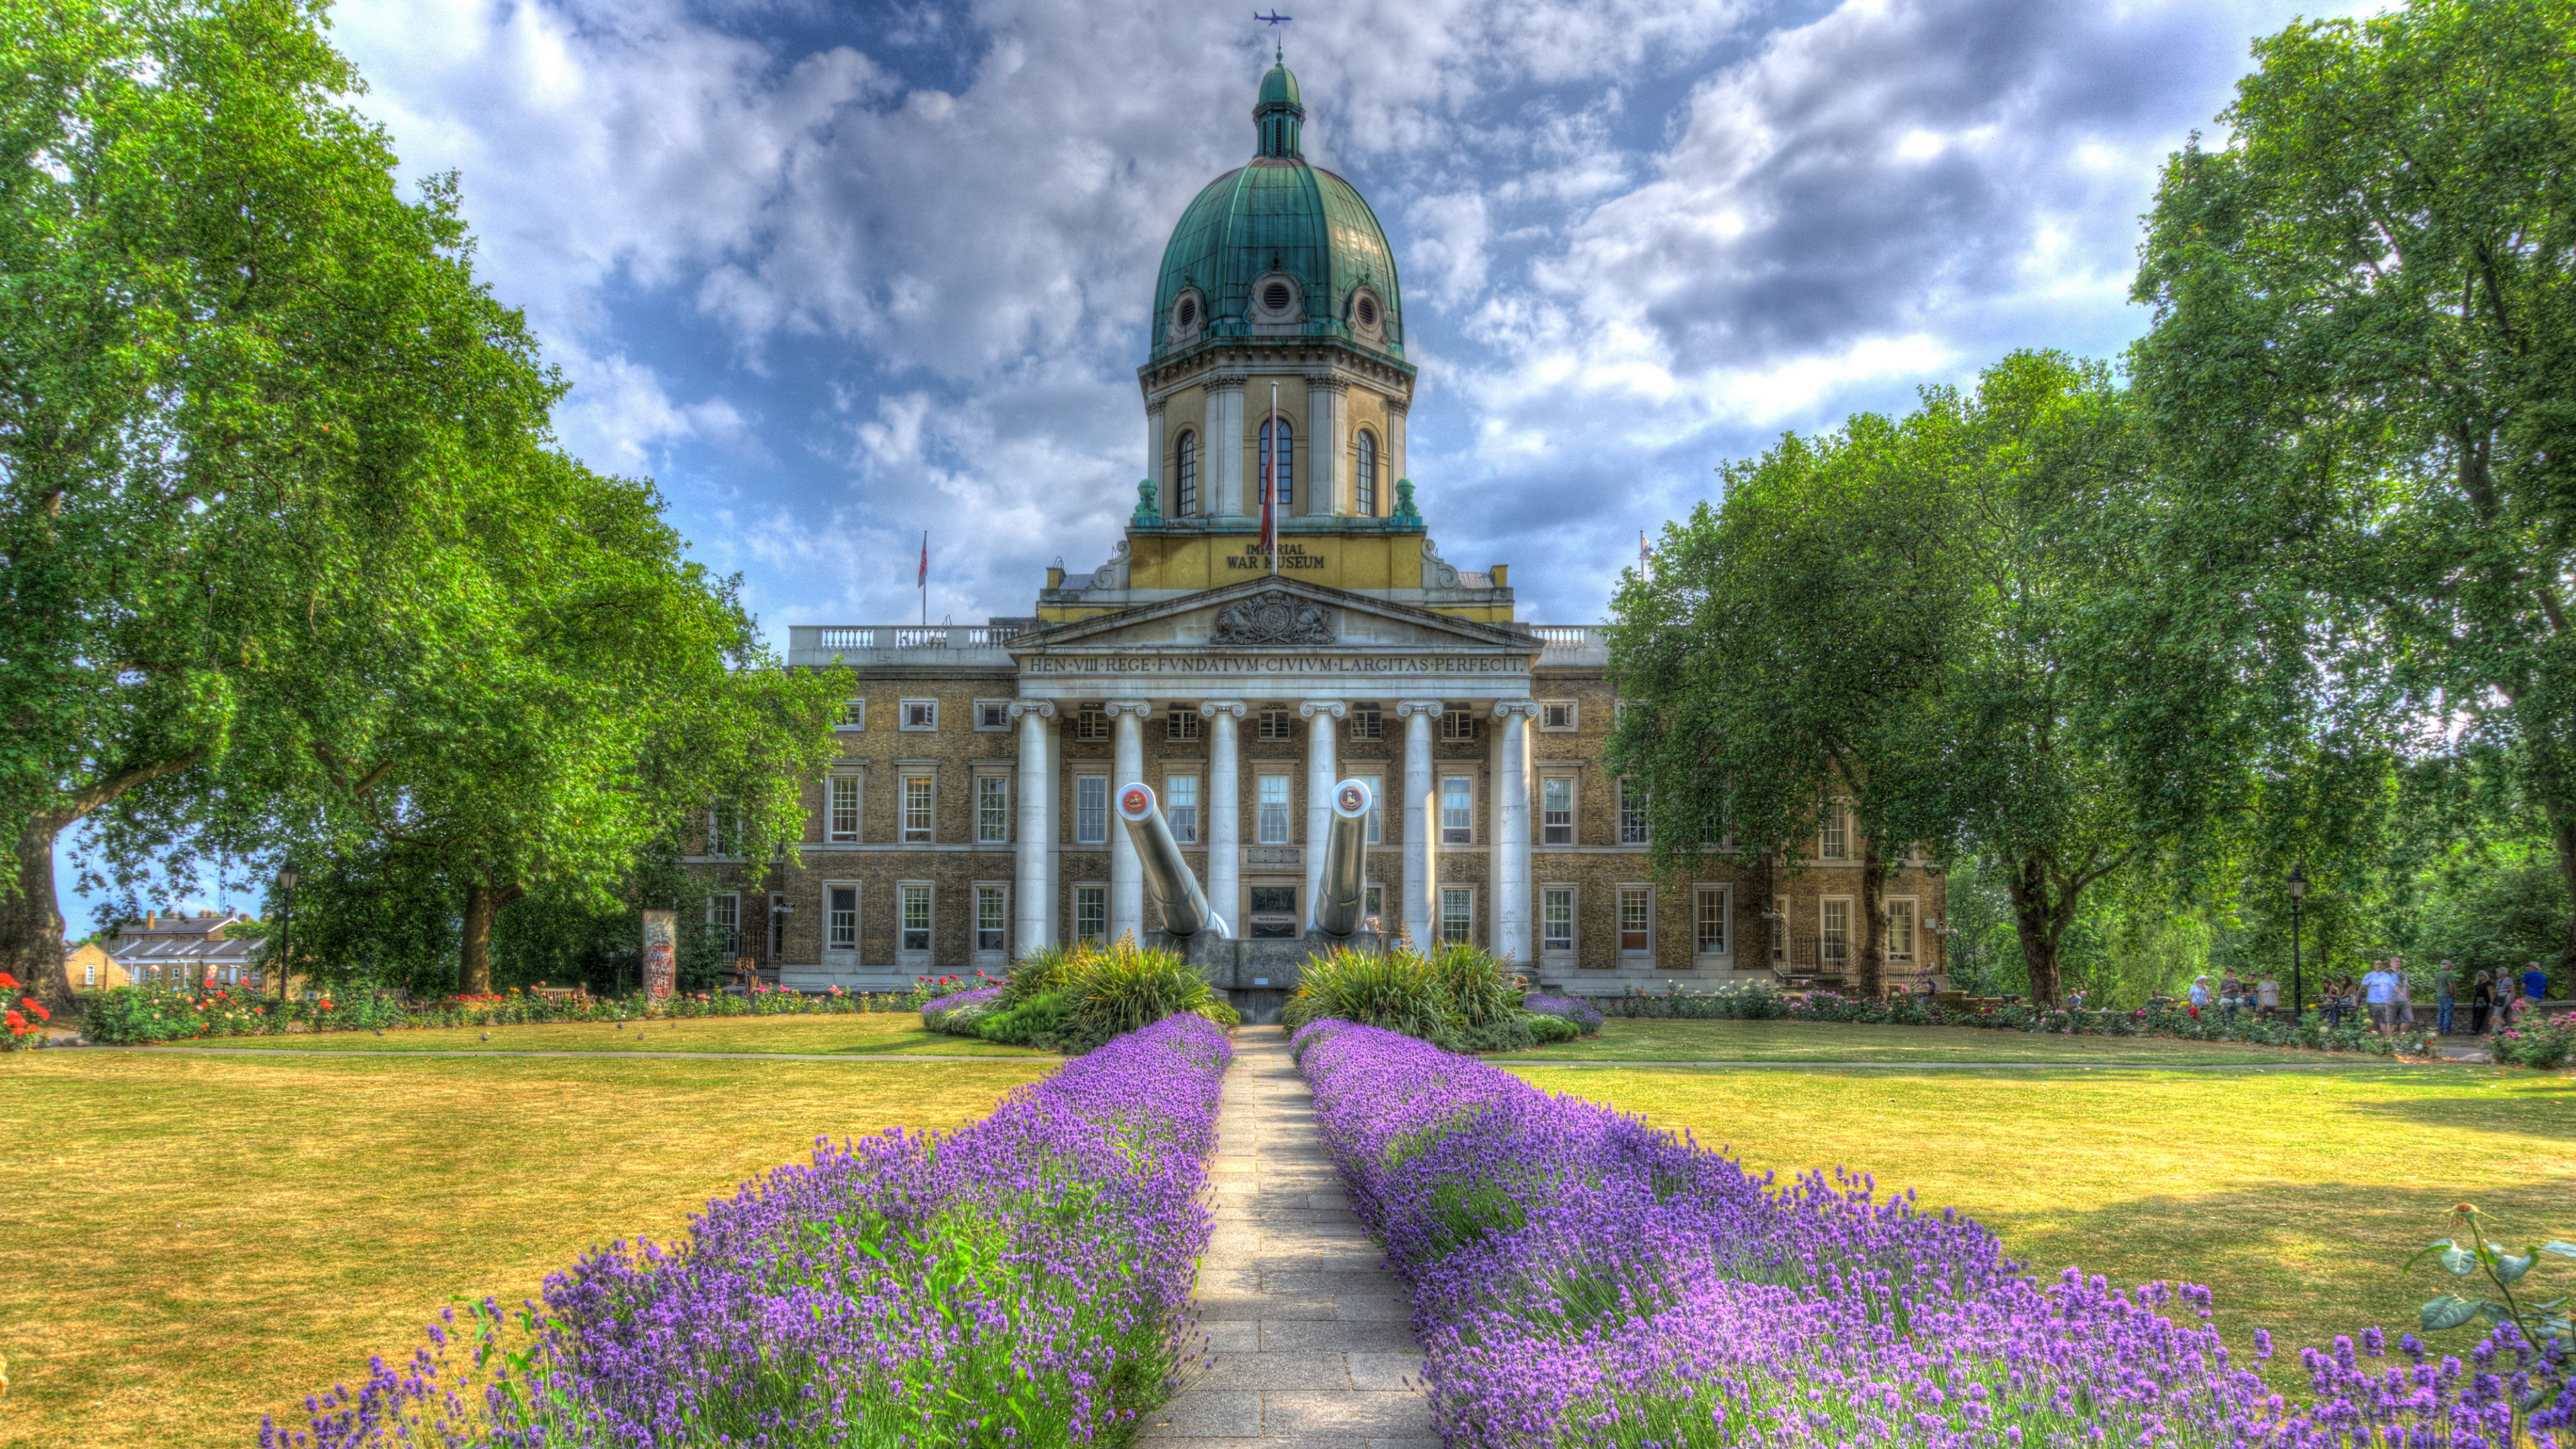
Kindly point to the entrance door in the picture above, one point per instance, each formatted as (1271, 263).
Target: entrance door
(1273, 914)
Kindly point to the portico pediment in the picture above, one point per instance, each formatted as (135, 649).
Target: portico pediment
(1290, 636)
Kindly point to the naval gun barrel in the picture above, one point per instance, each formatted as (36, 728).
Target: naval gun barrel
(1171, 891)
(1343, 889)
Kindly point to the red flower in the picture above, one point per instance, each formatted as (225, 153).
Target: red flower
(8, 982)
(38, 1008)
(15, 1020)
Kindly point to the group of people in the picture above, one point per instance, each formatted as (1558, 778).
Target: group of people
(2384, 993)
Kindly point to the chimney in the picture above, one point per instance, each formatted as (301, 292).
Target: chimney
(151, 920)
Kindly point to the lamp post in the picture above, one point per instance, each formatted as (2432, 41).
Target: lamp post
(2298, 887)
(285, 926)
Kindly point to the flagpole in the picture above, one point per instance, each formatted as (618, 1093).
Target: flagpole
(924, 581)
(1270, 476)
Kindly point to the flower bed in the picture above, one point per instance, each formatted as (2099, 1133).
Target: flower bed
(127, 1015)
(957, 1012)
(1024, 1280)
(1585, 1016)
(25, 1021)
(1579, 1279)
(2188, 1023)
(2547, 1042)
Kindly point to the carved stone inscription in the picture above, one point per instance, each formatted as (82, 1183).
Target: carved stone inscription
(1274, 618)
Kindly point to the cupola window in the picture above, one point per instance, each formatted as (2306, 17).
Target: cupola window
(1276, 299)
(1367, 310)
(1276, 296)
(1187, 314)
(1283, 459)
(1364, 476)
(1185, 474)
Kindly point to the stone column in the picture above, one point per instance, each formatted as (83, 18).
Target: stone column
(1054, 736)
(1395, 409)
(1320, 781)
(1421, 819)
(1126, 874)
(1327, 476)
(1512, 939)
(1223, 464)
(1223, 812)
(1035, 883)
(1155, 468)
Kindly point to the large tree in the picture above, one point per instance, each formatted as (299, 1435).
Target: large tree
(2363, 364)
(1769, 665)
(241, 380)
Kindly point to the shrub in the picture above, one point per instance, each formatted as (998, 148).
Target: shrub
(26, 1020)
(1582, 1015)
(2537, 1041)
(1036, 1021)
(1454, 995)
(1545, 1029)
(1041, 972)
(1128, 986)
(957, 1013)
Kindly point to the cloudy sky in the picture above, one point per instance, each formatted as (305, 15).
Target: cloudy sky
(835, 272)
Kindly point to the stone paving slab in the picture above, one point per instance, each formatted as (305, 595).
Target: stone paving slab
(1312, 1338)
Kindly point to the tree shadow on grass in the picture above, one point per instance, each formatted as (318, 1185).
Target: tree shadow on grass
(2307, 1261)
(2527, 1112)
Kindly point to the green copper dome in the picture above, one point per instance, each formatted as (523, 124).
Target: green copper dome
(1278, 219)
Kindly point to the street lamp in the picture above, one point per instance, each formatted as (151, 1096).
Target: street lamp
(2298, 886)
(285, 926)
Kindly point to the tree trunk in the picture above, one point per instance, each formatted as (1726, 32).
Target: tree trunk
(1873, 931)
(31, 928)
(483, 905)
(2562, 837)
(2036, 920)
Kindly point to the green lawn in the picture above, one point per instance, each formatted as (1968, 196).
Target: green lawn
(1805, 1041)
(2293, 1195)
(870, 1034)
(201, 1239)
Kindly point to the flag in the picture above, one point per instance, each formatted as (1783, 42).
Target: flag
(923, 581)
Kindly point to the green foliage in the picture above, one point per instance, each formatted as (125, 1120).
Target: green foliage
(1544, 1029)
(2364, 347)
(2469, 1253)
(1043, 1020)
(1045, 971)
(1454, 996)
(1127, 986)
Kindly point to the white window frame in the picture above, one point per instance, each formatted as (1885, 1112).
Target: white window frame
(1364, 469)
(1096, 895)
(1366, 722)
(917, 716)
(1826, 913)
(730, 918)
(1092, 724)
(996, 895)
(1090, 821)
(1275, 724)
(833, 937)
(854, 716)
(1634, 827)
(1559, 716)
(1185, 827)
(992, 821)
(1904, 914)
(1457, 727)
(906, 892)
(993, 716)
(1464, 898)
(1703, 895)
(854, 785)
(1182, 724)
(1268, 829)
(1779, 924)
(1453, 833)
(927, 832)
(1573, 825)
(1565, 949)
(1633, 893)
(718, 817)
(1833, 833)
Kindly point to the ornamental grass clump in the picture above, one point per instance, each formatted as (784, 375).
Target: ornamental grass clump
(959, 1012)
(1453, 994)
(1581, 1279)
(1023, 1281)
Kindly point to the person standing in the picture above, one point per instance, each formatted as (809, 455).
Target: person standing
(2404, 994)
(2379, 989)
(2444, 983)
(2535, 985)
(2200, 991)
(2267, 996)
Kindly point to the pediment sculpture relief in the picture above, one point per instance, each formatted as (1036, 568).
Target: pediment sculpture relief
(1274, 618)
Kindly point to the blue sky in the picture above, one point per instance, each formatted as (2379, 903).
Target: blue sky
(834, 273)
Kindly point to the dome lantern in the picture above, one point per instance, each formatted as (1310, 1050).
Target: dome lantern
(1278, 117)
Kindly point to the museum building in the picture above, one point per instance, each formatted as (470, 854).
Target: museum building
(969, 816)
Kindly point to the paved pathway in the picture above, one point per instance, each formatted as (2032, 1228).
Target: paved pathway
(1312, 1340)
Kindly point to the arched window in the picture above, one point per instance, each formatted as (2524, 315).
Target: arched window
(1364, 477)
(1285, 462)
(1185, 475)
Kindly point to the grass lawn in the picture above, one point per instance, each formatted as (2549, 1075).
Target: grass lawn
(1623, 1040)
(201, 1239)
(2293, 1195)
(871, 1034)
